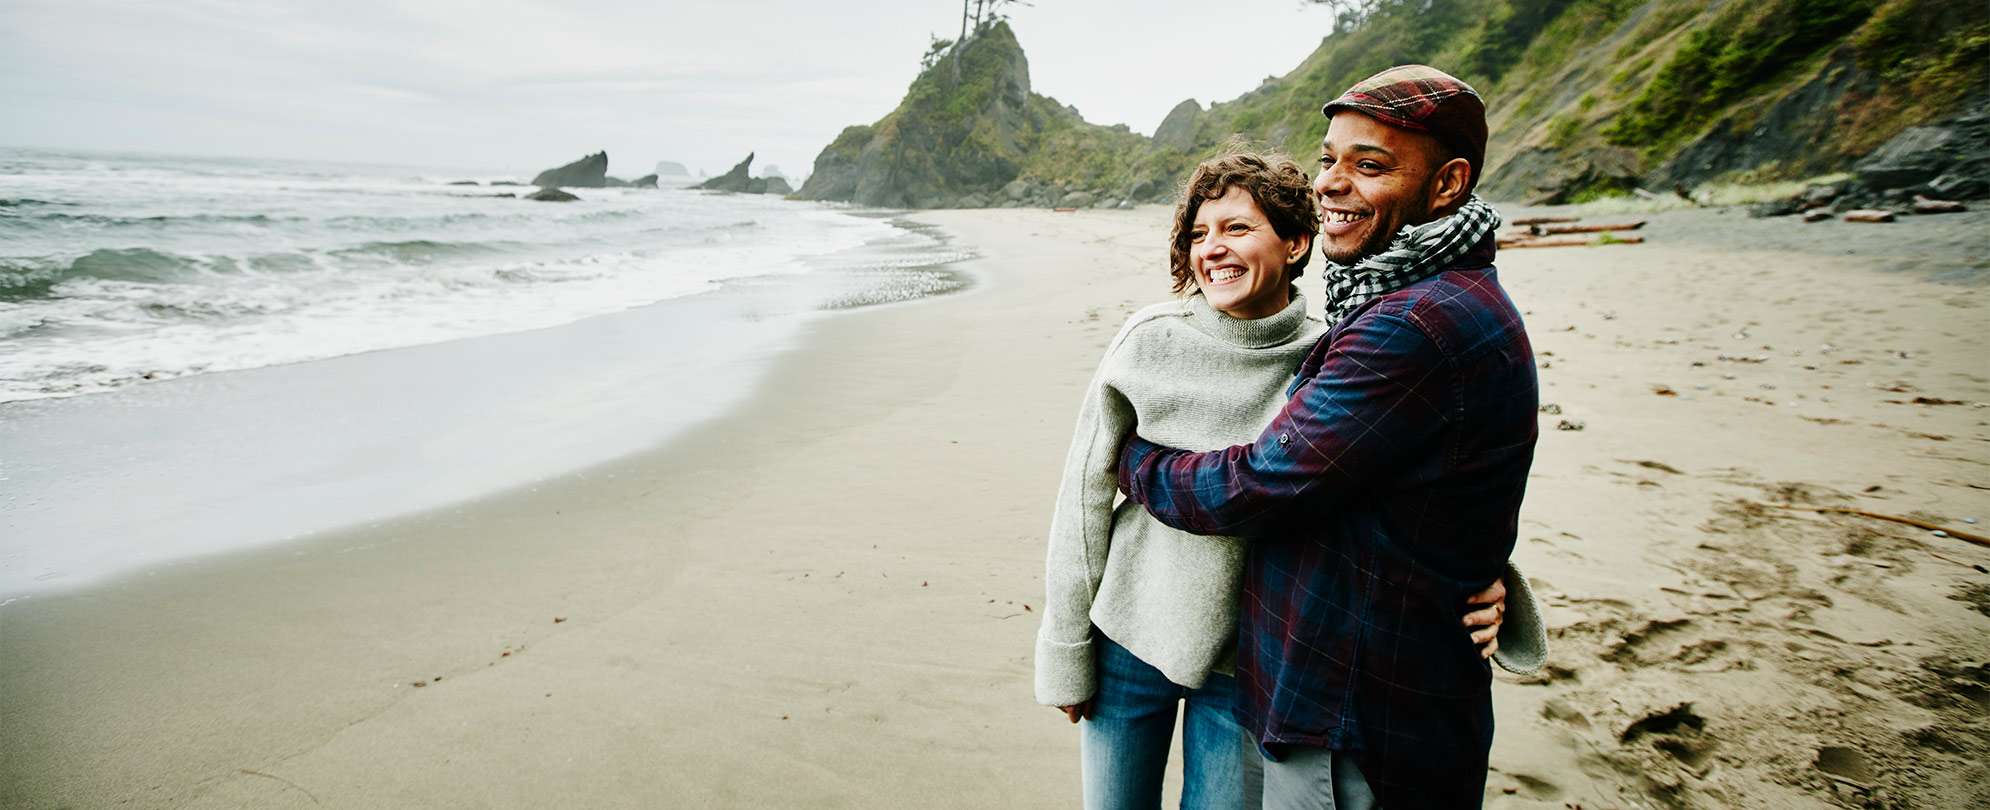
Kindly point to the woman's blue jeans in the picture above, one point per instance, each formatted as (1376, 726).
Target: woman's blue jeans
(1124, 746)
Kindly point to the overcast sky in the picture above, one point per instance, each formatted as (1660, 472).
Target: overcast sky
(521, 85)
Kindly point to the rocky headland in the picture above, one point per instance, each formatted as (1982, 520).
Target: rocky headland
(1587, 98)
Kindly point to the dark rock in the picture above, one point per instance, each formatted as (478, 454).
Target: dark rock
(1915, 156)
(1078, 199)
(777, 185)
(735, 180)
(614, 182)
(1959, 187)
(506, 183)
(588, 172)
(1554, 177)
(551, 195)
(465, 183)
(1177, 131)
(1816, 196)
(1776, 208)
(645, 181)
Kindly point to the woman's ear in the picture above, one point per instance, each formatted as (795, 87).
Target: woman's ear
(1301, 244)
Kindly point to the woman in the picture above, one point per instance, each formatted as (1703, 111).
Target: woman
(1140, 617)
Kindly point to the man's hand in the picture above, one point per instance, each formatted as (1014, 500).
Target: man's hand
(1080, 711)
(1487, 618)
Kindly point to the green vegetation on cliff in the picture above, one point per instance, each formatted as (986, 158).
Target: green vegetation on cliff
(1587, 96)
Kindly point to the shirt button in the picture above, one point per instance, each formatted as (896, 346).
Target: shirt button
(1283, 438)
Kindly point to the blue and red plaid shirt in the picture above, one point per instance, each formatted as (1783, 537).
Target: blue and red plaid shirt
(1384, 495)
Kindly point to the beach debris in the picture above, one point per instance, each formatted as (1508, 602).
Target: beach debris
(419, 684)
(1923, 205)
(1817, 215)
(1543, 220)
(1062, 210)
(1546, 230)
(1568, 425)
(558, 619)
(1868, 215)
(1551, 408)
(1664, 391)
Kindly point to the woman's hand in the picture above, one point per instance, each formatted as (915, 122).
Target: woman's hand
(1487, 619)
(1082, 710)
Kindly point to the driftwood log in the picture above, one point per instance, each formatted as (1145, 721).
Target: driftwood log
(1923, 205)
(1835, 510)
(1868, 215)
(1554, 229)
(1569, 241)
(1542, 220)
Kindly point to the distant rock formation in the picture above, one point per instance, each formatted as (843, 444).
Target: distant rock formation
(551, 195)
(737, 179)
(976, 137)
(668, 168)
(645, 181)
(588, 172)
(740, 180)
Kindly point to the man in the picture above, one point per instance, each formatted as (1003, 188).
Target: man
(1388, 490)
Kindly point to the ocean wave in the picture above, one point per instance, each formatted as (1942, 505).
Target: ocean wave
(21, 281)
(59, 217)
(421, 251)
(24, 202)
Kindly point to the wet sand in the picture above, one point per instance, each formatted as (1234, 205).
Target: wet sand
(826, 597)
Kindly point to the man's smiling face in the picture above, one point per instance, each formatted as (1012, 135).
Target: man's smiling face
(1374, 179)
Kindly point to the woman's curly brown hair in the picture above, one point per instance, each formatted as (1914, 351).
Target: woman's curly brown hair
(1280, 188)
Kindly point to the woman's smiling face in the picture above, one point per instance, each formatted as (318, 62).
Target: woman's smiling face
(1239, 260)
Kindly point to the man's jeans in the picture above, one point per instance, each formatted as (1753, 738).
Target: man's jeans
(1125, 743)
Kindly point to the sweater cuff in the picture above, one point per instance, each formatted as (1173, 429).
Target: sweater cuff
(1065, 673)
(1523, 637)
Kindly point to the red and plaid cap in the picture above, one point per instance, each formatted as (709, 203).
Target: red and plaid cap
(1424, 99)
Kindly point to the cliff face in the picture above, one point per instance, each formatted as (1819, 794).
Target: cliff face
(980, 140)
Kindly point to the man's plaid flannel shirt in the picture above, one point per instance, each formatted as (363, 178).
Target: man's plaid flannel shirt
(1385, 494)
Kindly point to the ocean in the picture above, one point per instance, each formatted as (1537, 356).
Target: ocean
(201, 354)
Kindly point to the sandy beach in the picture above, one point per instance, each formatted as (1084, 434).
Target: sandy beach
(824, 598)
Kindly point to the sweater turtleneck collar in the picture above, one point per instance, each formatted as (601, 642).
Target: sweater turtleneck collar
(1272, 330)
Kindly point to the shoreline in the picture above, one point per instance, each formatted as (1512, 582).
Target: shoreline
(819, 597)
(140, 479)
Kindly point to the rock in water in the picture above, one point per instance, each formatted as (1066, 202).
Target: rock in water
(588, 172)
(551, 195)
(671, 168)
(645, 181)
(735, 180)
(777, 185)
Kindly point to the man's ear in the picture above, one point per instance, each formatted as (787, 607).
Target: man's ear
(1453, 180)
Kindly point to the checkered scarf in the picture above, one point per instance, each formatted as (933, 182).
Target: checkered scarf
(1414, 254)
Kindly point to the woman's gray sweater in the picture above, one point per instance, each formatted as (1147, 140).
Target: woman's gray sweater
(1196, 379)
